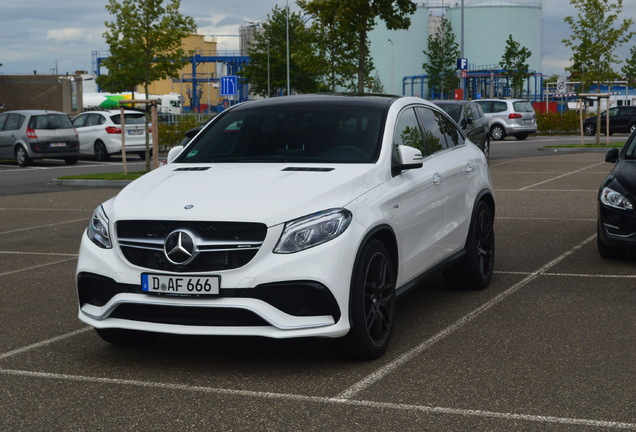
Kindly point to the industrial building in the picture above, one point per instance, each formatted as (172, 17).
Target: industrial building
(481, 28)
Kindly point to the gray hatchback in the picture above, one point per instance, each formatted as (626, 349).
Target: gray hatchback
(38, 134)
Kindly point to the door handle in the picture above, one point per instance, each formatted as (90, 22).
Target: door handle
(437, 178)
(469, 169)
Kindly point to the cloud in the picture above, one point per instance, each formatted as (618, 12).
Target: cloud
(70, 34)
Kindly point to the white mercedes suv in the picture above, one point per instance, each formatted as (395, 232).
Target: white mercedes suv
(292, 217)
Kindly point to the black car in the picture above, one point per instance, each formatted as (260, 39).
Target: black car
(616, 199)
(470, 117)
(621, 119)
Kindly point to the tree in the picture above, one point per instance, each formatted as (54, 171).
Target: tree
(337, 50)
(629, 70)
(442, 54)
(146, 45)
(596, 34)
(356, 18)
(513, 62)
(267, 70)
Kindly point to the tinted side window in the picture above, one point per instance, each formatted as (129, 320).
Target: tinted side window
(452, 134)
(485, 106)
(477, 112)
(80, 120)
(499, 107)
(14, 121)
(407, 131)
(433, 137)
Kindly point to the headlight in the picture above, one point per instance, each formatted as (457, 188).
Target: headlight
(611, 198)
(312, 230)
(98, 229)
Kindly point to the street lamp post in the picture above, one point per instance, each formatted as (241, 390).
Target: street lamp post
(392, 92)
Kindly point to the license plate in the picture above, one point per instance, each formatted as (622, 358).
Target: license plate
(135, 132)
(172, 284)
(57, 145)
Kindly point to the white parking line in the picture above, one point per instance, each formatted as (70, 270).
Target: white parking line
(562, 175)
(379, 374)
(323, 400)
(43, 343)
(74, 257)
(43, 226)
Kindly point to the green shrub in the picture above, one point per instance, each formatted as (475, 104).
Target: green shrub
(171, 134)
(567, 123)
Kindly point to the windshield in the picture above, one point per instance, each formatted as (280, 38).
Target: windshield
(630, 148)
(305, 134)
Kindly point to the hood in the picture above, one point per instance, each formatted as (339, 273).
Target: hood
(267, 193)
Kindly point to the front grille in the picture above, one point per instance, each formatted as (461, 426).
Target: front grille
(222, 245)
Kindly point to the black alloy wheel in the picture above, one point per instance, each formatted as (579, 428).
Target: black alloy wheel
(101, 154)
(372, 302)
(474, 271)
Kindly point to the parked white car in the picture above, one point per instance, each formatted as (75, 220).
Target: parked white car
(100, 133)
(292, 217)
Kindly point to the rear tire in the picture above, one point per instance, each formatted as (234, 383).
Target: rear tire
(71, 160)
(101, 154)
(372, 302)
(521, 136)
(22, 157)
(497, 132)
(124, 337)
(474, 270)
(589, 129)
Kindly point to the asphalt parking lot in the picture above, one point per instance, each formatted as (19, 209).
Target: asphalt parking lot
(549, 346)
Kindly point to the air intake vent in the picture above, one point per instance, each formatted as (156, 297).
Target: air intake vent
(310, 169)
(192, 169)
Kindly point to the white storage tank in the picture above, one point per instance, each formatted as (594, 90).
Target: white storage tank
(489, 23)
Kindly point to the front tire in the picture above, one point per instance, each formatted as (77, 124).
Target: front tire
(372, 302)
(497, 132)
(589, 129)
(474, 270)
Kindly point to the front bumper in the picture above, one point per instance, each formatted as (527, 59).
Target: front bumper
(617, 227)
(279, 296)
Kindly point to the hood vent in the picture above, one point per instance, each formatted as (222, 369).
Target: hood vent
(308, 169)
(192, 169)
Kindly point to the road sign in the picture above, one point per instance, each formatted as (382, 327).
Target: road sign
(229, 85)
(462, 64)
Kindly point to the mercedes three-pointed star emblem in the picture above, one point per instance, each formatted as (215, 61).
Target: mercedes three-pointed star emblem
(179, 247)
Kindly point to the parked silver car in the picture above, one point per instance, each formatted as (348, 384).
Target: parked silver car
(38, 134)
(514, 117)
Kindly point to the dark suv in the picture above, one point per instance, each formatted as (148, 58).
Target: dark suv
(470, 117)
(621, 119)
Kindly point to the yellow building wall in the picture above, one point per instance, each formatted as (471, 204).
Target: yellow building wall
(209, 95)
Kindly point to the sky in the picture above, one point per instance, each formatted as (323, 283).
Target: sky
(59, 36)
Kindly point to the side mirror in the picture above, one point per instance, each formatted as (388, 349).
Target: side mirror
(612, 155)
(173, 153)
(408, 158)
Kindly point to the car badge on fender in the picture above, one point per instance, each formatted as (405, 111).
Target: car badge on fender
(179, 247)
